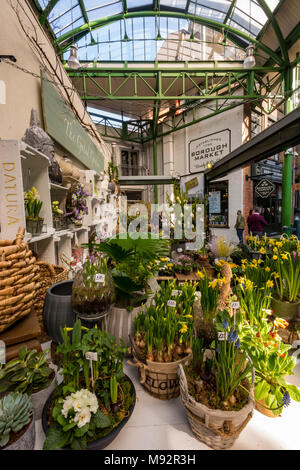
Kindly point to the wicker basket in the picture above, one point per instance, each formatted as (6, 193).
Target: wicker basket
(160, 379)
(49, 274)
(216, 428)
(19, 280)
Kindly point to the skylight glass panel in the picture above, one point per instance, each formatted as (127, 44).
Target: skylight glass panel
(70, 27)
(110, 10)
(207, 13)
(67, 18)
(61, 7)
(138, 3)
(174, 3)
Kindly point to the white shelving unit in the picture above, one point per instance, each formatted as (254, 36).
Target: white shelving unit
(21, 168)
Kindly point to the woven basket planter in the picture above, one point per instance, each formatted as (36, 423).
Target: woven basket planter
(216, 428)
(49, 274)
(19, 280)
(160, 379)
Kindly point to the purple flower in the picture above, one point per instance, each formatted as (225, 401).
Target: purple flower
(232, 336)
(225, 324)
(286, 399)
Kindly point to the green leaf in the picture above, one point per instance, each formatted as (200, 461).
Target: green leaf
(262, 390)
(101, 420)
(78, 444)
(294, 392)
(4, 439)
(79, 432)
(69, 426)
(56, 438)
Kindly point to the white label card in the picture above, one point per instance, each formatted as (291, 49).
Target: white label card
(100, 277)
(179, 250)
(175, 292)
(91, 356)
(171, 303)
(235, 305)
(221, 336)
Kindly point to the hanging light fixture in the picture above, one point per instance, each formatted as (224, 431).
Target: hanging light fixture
(249, 61)
(73, 62)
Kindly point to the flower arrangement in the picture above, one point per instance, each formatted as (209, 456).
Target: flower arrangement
(83, 407)
(164, 330)
(254, 300)
(287, 276)
(183, 264)
(76, 206)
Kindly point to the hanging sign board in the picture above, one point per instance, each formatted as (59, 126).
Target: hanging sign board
(194, 186)
(264, 188)
(62, 125)
(209, 149)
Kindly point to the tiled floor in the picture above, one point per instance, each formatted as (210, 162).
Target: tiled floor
(162, 425)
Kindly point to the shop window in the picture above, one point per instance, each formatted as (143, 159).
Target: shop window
(218, 204)
(130, 163)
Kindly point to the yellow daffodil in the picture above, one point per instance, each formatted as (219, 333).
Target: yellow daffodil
(275, 250)
(262, 250)
(249, 284)
(267, 269)
(170, 265)
(243, 261)
(188, 316)
(213, 284)
(276, 275)
(283, 256)
(200, 274)
(275, 257)
(259, 261)
(279, 244)
(270, 283)
(271, 241)
(183, 329)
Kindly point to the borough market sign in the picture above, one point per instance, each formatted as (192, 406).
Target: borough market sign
(264, 188)
(208, 150)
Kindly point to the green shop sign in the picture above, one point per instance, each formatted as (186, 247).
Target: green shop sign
(64, 128)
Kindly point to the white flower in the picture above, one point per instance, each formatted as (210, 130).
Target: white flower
(83, 417)
(68, 404)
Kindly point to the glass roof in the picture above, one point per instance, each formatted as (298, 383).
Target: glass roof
(246, 16)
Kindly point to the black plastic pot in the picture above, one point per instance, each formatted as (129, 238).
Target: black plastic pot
(57, 311)
(103, 441)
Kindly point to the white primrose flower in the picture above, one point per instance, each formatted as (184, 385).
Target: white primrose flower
(83, 417)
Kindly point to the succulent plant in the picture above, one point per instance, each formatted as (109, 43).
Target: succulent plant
(15, 413)
(28, 373)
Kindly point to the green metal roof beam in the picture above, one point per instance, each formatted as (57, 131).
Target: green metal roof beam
(230, 10)
(277, 30)
(51, 4)
(66, 39)
(83, 10)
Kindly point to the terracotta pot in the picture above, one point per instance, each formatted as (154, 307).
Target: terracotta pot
(286, 310)
(263, 410)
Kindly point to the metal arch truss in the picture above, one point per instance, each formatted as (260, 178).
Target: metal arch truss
(185, 92)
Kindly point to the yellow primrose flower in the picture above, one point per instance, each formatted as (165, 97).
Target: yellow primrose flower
(270, 283)
(267, 269)
(275, 257)
(170, 265)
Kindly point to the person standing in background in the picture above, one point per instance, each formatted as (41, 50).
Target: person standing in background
(250, 213)
(256, 223)
(240, 226)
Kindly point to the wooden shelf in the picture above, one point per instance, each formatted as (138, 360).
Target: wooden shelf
(37, 238)
(58, 187)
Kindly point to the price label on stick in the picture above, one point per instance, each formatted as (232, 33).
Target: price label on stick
(91, 356)
(171, 303)
(235, 305)
(179, 250)
(100, 278)
(175, 292)
(221, 336)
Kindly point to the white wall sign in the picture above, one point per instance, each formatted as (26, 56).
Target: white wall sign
(208, 149)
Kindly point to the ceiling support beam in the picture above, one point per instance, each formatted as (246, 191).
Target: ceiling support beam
(50, 5)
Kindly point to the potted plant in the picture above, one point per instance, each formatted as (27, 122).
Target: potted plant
(33, 206)
(57, 216)
(209, 289)
(76, 206)
(92, 290)
(272, 364)
(29, 373)
(163, 338)
(130, 261)
(17, 430)
(286, 297)
(221, 248)
(95, 399)
(183, 264)
(215, 390)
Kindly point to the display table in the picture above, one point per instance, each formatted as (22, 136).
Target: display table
(187, 277)
(22, 333)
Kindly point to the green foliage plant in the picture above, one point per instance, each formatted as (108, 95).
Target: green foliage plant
(15, 414)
